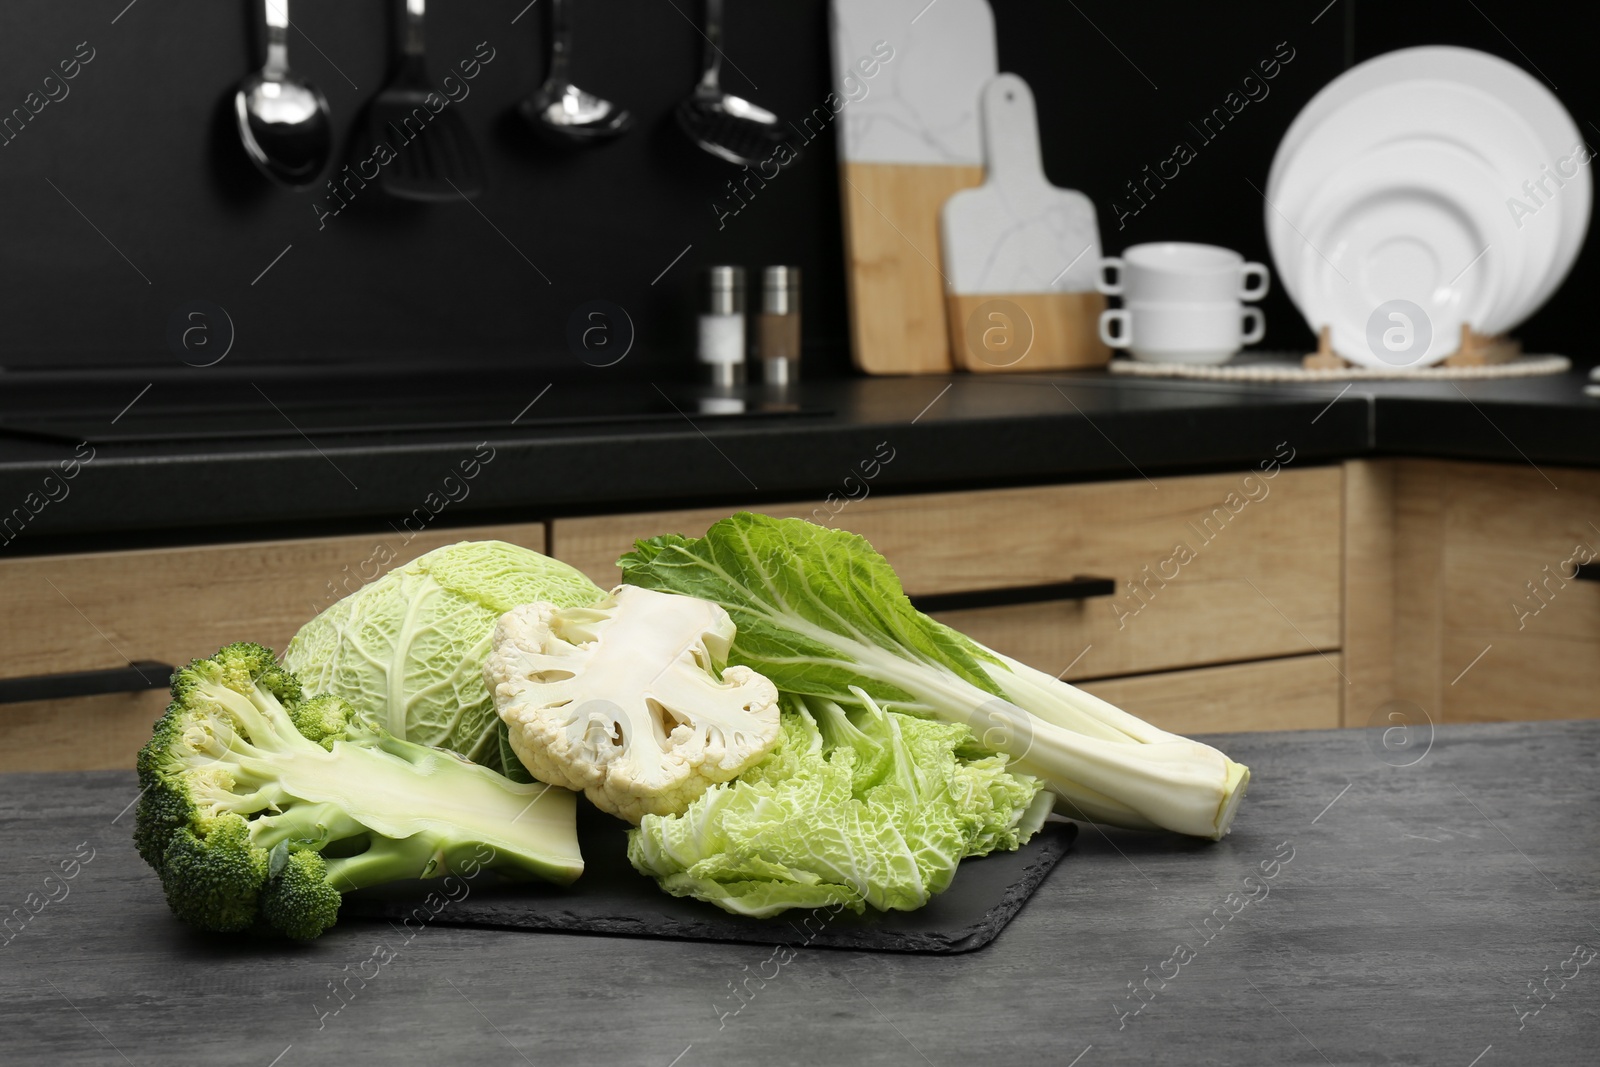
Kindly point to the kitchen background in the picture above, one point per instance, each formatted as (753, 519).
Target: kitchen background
(1216, 558)
(143, 149)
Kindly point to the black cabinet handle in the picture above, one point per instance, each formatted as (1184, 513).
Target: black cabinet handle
(1588, 572)
(136, 677)
(1081, 587)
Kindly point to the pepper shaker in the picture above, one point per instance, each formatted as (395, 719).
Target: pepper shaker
(778, 338)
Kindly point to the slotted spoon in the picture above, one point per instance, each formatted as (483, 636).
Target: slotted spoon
(434, 155)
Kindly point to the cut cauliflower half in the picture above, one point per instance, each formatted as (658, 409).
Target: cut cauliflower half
(622, 700)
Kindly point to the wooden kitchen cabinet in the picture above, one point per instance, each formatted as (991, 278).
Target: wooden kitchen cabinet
(1491, 622)
(1293, 693)
(100, 610)
(1305, 601)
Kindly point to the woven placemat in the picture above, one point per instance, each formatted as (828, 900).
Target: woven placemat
(1286, 371)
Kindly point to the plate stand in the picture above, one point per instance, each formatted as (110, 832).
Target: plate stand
(1477, 350)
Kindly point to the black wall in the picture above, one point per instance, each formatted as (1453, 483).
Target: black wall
(144, 148)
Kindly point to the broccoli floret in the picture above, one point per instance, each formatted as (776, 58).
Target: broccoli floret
(220, 875)
(245, 785)
(297, 899)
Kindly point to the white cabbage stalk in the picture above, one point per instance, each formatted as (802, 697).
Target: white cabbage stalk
(1108, 766)
(1103, 764)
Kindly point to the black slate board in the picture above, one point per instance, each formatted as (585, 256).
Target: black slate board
(612, 898)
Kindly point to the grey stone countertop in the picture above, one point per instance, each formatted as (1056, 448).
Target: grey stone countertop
(1429, 902)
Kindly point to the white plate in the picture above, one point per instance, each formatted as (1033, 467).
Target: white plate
(1409, 222)
(1430, 111)
(1507, 83)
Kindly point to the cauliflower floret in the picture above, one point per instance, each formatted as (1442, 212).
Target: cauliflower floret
(622, 700)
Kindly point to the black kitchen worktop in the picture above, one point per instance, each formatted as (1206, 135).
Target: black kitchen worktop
(1361, 912)
(321, 471)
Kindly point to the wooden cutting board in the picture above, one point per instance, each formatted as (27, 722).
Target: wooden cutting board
(1020, 254)
(908, 138)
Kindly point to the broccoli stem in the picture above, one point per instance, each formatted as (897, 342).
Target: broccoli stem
(313, 824)
(435, 808)
(419, 856)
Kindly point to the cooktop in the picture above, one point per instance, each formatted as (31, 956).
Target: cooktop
(255, 412)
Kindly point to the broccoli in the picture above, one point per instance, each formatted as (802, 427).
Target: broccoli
(259, 808)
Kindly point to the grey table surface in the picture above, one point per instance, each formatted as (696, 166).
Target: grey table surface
(1427, 887)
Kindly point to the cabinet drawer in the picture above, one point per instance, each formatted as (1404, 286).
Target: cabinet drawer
(106, 732)
(1511, 542)
(99, 610)
(1520, 677)
(1295, 693)
(1506, 591)
(1204, 573)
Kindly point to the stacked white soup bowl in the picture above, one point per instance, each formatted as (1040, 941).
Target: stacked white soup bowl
(1182, 303)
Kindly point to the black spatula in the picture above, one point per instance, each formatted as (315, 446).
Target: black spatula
(434, 157)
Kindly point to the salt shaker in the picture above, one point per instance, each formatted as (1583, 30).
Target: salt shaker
(722, 326)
